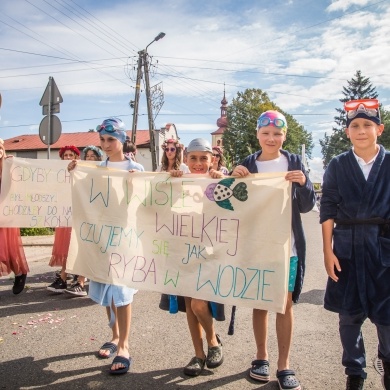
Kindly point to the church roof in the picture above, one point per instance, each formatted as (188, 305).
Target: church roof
(219, 131)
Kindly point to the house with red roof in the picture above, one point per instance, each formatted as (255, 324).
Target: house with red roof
(31, 146)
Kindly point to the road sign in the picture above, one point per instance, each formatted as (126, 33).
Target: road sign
(55, 130)
(55, 94)
(55, 109)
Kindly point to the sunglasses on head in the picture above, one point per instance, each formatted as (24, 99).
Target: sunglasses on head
(265, 121)
(170, 149)
(369, 104)
(108, 128)
(367, 107)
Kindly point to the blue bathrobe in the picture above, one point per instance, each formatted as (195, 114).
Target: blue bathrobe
(303, 200)
(362, 247)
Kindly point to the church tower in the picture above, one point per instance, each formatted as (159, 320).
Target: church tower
(221, 123)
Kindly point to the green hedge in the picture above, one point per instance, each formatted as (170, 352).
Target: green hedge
(36, 231)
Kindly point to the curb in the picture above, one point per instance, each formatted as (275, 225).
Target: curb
(36, 244)
(38, 240)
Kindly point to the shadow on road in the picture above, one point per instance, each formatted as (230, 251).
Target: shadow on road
(314, 297)
(37, 299)
(29, 373)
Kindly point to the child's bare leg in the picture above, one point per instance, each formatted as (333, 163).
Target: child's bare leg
(63, 273)
(260, 331)
(202, 312)
(81, 280)
(115, 331)
(284, 331)
(123, 321)
(195, 329)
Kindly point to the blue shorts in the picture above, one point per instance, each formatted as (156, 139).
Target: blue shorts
(293, 273)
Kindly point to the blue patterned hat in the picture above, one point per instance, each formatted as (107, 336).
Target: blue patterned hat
(114, 127)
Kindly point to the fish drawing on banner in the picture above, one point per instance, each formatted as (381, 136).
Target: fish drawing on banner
(221, 192)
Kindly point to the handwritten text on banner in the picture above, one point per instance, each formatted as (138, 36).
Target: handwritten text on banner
(222, 241)
(35, 193)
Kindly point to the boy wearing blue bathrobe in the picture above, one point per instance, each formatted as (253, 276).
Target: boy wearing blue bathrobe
(355, 218)
(271, 134)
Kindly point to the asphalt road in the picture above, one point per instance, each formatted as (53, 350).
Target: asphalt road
(50, 341)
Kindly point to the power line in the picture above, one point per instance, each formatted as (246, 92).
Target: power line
(232, 85)
(257, 72)
(109, 28)
(94, 61)
(66, 71)
(75, 60)
(47, 43)
(242, 63)
(63, 85)
(82, 25)
(128, 115)
(193, 83)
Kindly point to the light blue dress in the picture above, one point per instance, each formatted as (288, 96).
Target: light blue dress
(107, 294)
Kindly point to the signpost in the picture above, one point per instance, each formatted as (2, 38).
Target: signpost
(52, 136)
(50, 126)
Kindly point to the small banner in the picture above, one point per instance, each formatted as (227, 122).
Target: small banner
(35, 193)
(222, 240)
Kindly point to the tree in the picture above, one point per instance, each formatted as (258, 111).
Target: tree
(359, 87)
(384, 139)
(239, 139)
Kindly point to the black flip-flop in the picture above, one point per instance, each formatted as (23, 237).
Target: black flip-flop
(122, 360)
(108, 347)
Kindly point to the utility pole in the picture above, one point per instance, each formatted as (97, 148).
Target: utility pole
(150, 114)
(143, 62)
(303, 155)
(136, 98)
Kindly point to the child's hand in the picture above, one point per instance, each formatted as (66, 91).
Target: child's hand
(216, 174)
(176, 173)
(240, 171)
(331, 263)
(296, 177)
(72, 165)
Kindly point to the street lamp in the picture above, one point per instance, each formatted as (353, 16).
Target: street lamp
(143, 61)
(149, 103)
(159, 36)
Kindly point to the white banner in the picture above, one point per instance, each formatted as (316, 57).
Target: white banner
(35, 193)
(226, 241)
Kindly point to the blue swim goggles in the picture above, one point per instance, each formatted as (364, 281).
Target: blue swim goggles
(265, 121)
(108, 128)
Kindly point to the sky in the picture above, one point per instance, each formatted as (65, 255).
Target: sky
(300, 52)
